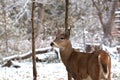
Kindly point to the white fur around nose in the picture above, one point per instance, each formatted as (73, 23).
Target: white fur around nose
(56, 45)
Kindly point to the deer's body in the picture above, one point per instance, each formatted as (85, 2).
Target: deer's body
(82, 66)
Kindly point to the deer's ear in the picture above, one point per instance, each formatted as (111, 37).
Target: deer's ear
(67, 32)
(58, 31)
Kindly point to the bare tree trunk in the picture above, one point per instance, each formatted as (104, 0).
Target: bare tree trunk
(33, 43)
(66, 27)
(66, 15)
(107, 27)
(106, 24)
(40, 17)
(5, 24)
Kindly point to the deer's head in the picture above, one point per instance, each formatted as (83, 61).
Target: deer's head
(62, 40)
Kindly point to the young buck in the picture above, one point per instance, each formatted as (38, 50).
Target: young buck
(80, 65)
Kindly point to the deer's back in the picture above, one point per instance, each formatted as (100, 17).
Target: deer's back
(83, 64)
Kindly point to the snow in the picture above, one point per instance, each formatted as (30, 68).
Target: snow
(51, 71)
(54, 71)
(115, 70)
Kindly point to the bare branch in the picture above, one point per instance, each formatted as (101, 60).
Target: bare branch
(58, 29)
(95, 5)
(111, 13)
(21, 13)
(99, 11)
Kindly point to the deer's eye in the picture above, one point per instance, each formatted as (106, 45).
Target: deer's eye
(62, 38)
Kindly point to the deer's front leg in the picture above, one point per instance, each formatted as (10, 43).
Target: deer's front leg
(69, 76)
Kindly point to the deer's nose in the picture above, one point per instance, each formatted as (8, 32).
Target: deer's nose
(51, 44)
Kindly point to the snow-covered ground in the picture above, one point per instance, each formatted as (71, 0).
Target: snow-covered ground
(51, 71)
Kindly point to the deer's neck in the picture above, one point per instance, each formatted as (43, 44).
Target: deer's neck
(66, 53)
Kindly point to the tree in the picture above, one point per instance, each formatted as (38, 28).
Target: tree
(40, 17)
(5, 24)
(66, 27)
(33, 43)
(106, 13)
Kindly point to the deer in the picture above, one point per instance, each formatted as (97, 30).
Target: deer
(80, 65)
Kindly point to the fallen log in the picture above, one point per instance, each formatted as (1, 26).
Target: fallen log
(7, 62)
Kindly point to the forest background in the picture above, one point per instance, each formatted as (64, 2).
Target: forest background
(15, 23)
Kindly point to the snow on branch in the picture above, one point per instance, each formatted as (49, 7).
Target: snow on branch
(21, 13)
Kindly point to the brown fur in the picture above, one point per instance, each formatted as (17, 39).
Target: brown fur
(80, 65)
